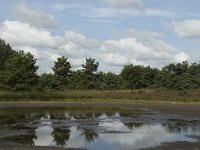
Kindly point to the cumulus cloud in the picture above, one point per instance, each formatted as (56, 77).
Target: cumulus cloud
(81, 40)
(152, 52)
(189, 29)
(180, 57)
(34, 17)
(125, 3)
(131, 46)
(18, 34)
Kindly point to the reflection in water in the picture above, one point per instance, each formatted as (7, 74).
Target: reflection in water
(139, 137)
(89, 136)
(96, 129)
(60, 136)
(44, 137)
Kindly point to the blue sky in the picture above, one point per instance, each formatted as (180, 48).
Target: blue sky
(114, 32)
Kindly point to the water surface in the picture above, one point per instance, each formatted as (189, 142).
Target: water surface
(92, 128)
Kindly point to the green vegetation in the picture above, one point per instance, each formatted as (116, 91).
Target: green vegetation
(102, 96)
(22, 139)
(183, 122)
(19, 80)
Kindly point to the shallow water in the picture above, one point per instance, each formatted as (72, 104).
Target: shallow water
(108, 129)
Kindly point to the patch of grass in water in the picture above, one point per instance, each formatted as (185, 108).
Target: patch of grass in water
(181, 123)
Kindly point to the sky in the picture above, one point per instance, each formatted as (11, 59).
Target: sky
(114, 32)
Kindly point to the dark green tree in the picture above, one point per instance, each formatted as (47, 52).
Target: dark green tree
(20, 71)
(133, 76)
(62, 71)
(149, 77)
(5, 53)
(175, 76)
(49, 81)
(194, 71)
(90, 67)
(109, 81)
(89, 80)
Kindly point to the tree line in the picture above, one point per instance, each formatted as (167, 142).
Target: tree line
(18, 71)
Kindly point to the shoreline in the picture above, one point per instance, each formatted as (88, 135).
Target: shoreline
(185, 109)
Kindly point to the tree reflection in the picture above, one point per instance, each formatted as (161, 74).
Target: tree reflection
(61, 136)
(89, 135)
(132, 125)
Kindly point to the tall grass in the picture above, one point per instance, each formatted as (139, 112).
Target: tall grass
(84, 95)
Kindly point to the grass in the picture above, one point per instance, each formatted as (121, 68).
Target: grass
(103, 96)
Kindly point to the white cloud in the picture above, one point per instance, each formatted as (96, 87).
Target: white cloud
(180, 57)
(81, 40)
(34, 17)
(143, 47)
(132, 46)
(189, 29)
(125, 3)
(22, 34)
(145, 52)
(160, 13)
(113, 59)
(111, 12)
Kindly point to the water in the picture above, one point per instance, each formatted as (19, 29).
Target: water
(108, 129)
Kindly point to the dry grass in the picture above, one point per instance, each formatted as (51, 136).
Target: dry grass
(94, 95)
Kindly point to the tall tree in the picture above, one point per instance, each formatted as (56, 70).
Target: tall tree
(5, 53)
(20, 70)
(90, 66)
(89, 70)
(62, 70)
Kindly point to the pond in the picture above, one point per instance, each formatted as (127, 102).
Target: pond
(93, 128)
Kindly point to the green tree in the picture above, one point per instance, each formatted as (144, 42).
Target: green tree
(194, 71)
(149, 77)
(89, 80)
(49, 81)
(175, 76)
(109, 81)
(133, 76)
(5, 53)
(20, 71)
(90, 67)
(62, 70)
